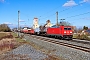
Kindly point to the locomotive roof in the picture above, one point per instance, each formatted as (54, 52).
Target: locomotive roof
(25, 27)
(59, 26)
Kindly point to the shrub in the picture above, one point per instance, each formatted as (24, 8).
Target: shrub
(4, 28)
(83, 37)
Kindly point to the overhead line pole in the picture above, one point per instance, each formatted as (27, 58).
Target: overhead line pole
(18, 21)
(57, 18)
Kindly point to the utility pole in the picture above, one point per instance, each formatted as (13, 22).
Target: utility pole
(18, 21)
(57, 18)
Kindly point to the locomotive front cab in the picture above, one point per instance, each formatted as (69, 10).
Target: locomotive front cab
(67, 32)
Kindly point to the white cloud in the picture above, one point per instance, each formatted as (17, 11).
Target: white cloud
(2, 0)
(69, 3)
(85, 1)
(8, 23)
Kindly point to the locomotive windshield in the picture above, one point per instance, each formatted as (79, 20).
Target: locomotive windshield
(67, 28)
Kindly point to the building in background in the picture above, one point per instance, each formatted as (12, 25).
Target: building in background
(35, 23)
(48, 23)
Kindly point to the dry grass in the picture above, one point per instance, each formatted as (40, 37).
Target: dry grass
(7, 42)
(2, 35)
(5, 35)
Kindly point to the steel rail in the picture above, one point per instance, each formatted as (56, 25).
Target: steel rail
(85, 49)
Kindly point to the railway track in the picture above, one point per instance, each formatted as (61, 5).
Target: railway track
(82, 48)
(82, 41)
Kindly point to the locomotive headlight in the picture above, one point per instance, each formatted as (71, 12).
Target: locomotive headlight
(70, 32)
(64, 31)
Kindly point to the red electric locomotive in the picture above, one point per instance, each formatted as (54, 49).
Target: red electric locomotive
(31, 31)
(24, 30)
(62, 32)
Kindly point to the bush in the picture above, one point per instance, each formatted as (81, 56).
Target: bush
(4, 28)
(83, 37)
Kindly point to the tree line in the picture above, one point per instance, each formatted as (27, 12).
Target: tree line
(4, 28)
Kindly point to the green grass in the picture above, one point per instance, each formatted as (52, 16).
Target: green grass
(18, 39)
(14, 34)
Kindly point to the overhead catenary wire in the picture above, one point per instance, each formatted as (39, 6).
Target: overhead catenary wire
(49, 16)
(71, 7)
(54, 12)
(27, 15)
(62, 10)
(78, 15)
(50, 10)
(77, 9)
(84, 18)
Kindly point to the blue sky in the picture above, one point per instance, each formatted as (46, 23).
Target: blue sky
(77, 12)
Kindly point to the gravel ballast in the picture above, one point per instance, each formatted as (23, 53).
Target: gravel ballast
(25, 52)
(61, 51)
